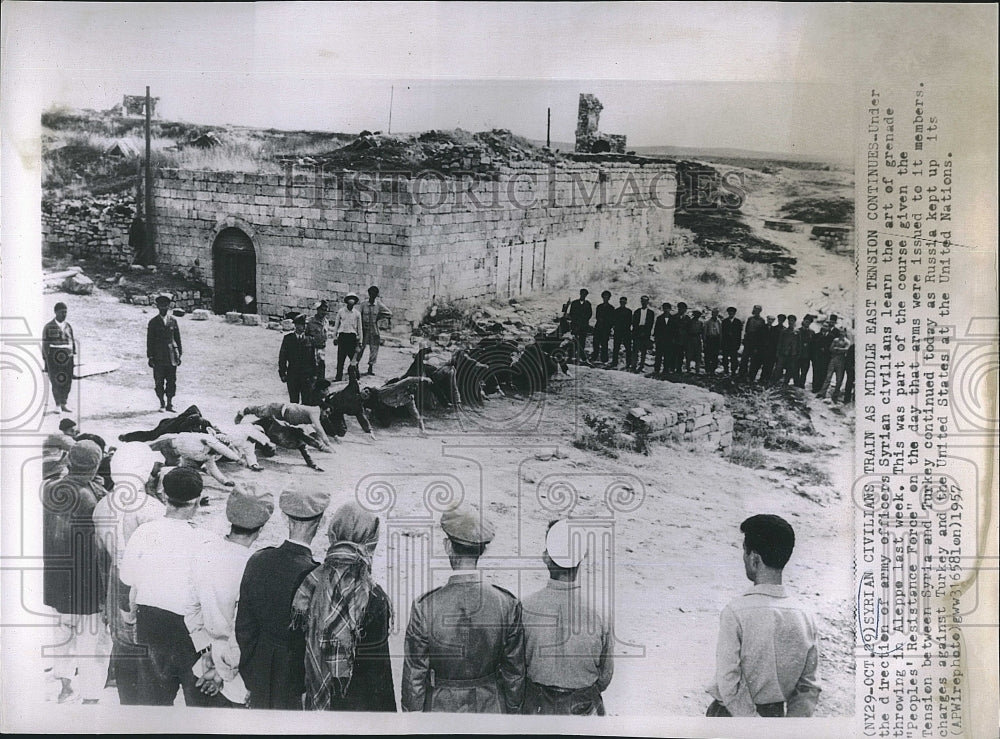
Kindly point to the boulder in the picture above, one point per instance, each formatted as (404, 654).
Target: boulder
(287, 325)
(78, 284)
(251, 319)
(199, 314)
(234, 317)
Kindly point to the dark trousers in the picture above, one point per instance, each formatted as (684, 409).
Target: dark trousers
(171, 657)
(820, 365)
(802, 372)
(621, 342)
(677, 355)
(133, 672)
(784, 370)
(347, 345)
(165, 378)
(299, 389)
(60, 366)
(713, 345)
(730, 359)
(767, 710)
(601, 339)
(751, 350)
(660, 357)
(767, 366)
(849, 384)
(640, 345)
(580, 341)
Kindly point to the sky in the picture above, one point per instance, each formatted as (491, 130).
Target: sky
(680, 75)
(774, 77)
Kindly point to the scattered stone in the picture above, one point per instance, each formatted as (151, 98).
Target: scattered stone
(179, 312)
(140, 299)
(78, 284)
(234, 317)
(287, 324)
(151, 268)
(251, 319)
(199, 314)
(137, 268)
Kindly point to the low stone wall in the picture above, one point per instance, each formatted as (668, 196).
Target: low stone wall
(93, 227)
(188, 300)
(707, 423)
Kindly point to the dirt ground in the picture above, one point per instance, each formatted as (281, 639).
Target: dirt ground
(673, 560)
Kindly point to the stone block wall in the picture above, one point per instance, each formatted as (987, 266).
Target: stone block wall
(708, 423)
(421, 238)
(92, 227)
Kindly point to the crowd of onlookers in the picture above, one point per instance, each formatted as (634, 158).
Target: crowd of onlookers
(773, 350)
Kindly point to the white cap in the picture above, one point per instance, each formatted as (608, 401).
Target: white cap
(563, 548)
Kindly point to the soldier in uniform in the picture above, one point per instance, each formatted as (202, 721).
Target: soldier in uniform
(297, 365)
(163, 351)
(464, 648)
(272, 654)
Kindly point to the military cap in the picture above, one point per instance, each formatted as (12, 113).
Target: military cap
(182, 484)
(757, 308)
(59, 306)
(562, 547)
(352, 296)
(247, 508)
(584, 291)
(164, 299)
(303, 502)
(299, 319)
(467, 526)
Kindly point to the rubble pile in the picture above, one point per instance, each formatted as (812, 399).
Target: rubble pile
(97, 226)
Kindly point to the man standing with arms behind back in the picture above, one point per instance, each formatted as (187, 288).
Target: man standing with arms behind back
(297, 363)
(464, 648)
(371, 313)
(163, 351)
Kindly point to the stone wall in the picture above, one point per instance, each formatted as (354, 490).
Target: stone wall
(707, 423)
(92, 227)
(422, 238)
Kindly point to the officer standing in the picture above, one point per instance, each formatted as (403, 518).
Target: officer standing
(297, 362)
(163, 351)
(464, 648)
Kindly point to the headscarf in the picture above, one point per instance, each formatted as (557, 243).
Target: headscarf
(331, 603)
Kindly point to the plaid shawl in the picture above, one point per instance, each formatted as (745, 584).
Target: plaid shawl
(331, 602)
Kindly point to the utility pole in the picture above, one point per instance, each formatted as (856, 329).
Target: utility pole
(150, 250)
(548, 131)
(392, 91)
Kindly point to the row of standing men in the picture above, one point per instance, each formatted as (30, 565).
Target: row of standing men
(772, 350)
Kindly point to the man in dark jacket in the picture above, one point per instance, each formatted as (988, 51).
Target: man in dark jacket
(677, 326)
(770, 353)
(806, 340)
(623, 331)
(732, 334)
(753, 341)
(642, 328)
(604, 323)
(787, 353)
(73, 576)
(580, 313)
(661, 341)
(464, 648)
(272, 654)
(297, 363)
(163, 351)
(820, 352)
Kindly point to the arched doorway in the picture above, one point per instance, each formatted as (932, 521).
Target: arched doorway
(234, 266)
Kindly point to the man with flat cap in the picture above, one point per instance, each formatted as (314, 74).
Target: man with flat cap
(163, 351)
(567, 642)
(603, 325)
(315, 330)
(217, 581)
(297, 366)
(464, 647)
(272, 654)
(159, 567)
(754, 335)
(579, 314)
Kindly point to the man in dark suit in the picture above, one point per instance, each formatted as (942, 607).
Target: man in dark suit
(642, 329)
(464, 648)
(163, 351)
(732, 335)
(58, 349)
(272, 652)
(661, 341)
(297, 363)
(580, 313)
(623, 331)
(605, 320)
(677, 334)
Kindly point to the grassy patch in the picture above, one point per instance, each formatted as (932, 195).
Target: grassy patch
(748, 453)
(723, 233)
(820, 210)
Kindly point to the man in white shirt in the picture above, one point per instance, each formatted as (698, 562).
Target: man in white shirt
(129, 504)
(217, 591)
(158, 566)
(348, 331)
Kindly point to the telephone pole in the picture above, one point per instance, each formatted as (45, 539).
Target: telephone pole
(548, 130)
(149, 251)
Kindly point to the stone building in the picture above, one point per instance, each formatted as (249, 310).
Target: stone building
(589, 139)
(289, 240)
